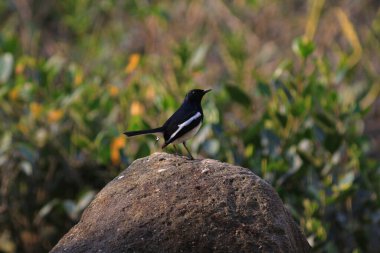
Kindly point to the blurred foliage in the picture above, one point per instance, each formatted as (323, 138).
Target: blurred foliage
(74, 75)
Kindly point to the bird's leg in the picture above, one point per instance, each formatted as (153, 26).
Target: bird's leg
(191, 157)
(175, 149)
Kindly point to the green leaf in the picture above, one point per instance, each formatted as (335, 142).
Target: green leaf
(333, 141)
(235, 43)
(252, 135)
(238, 95)
(6, 66)
(282, 118)
(26, 167)
(303, 47)
(326, 121)
(264, 88)
(46, 209)
(85, 200)
(6, 141)
(70, 208)
(346, 182)
(199, 55)
(27, 151)
(184, 52)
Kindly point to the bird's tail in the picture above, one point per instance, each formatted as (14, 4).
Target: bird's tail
(148, 131)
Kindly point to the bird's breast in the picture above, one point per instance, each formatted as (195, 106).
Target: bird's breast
(188, 135)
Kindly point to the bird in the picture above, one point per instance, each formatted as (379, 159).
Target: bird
(183, 124)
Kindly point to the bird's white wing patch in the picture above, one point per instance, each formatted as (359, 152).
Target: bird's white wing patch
(186, 123)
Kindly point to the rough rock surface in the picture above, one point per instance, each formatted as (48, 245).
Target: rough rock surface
(167, 203)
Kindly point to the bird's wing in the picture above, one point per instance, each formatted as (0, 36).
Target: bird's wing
(180, 123)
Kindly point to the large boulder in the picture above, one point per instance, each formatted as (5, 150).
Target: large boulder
(168, 203)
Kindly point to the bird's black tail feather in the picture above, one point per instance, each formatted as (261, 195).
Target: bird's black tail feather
(148, 131)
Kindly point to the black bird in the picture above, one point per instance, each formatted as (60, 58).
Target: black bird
(183, 124)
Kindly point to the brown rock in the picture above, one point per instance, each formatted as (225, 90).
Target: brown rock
(167, 203)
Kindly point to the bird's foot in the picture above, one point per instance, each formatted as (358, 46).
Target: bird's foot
(188, 151)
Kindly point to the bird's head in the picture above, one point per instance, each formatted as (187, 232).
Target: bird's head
(196, 95)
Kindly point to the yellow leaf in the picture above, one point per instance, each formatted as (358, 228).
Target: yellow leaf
(137, 108)
(351, 35)
(134, 60)
(14, 94)
(371, 96)
(119, 141)
(117, 144)
(55, 115)
(150, 93)
(22, 128)
(313, 19)
(78, 79)
(19, 68)
(113, 90)
(36, 109)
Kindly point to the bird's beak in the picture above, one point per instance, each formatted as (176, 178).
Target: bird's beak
(205, 91)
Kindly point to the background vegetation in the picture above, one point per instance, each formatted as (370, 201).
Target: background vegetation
(292, 83)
